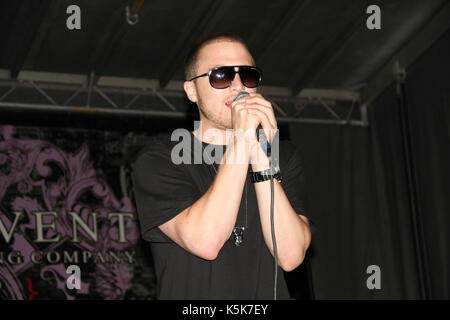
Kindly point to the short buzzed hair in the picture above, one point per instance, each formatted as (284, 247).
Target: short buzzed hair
(191, 64)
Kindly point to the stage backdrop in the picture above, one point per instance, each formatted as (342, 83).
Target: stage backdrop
(65, 200)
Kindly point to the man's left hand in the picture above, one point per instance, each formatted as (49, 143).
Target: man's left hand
(258, 105)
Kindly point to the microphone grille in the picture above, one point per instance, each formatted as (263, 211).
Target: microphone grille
(241, 95)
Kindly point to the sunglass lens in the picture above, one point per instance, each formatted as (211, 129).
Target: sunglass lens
(221, 77)
(251, 77)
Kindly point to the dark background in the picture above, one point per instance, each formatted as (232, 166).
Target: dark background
(358, 192)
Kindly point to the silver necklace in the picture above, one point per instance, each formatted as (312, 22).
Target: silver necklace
(237, 231)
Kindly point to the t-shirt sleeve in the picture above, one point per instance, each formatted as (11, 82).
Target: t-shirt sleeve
(162, 190)
(293, 182)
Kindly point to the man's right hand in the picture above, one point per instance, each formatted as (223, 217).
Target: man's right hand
(244, 122)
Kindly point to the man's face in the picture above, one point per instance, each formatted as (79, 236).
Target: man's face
(215, 104)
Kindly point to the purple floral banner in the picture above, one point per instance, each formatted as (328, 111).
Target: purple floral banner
(56, 211)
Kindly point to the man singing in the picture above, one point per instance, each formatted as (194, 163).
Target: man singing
(209, 224)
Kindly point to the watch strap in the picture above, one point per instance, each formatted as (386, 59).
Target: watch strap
(265, 175)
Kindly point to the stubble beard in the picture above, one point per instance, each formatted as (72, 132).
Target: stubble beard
(213, 118)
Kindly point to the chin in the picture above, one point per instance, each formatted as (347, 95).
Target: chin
(227, 124)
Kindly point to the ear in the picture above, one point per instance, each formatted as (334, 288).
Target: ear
(191, 91)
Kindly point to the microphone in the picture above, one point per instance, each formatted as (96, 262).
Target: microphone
(260, 135)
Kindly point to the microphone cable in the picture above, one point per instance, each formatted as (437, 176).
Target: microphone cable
(272, 225)
(267, 148)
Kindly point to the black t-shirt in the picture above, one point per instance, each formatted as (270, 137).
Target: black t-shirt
(163, 189)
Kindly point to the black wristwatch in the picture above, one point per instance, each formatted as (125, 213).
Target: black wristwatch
(265, 175)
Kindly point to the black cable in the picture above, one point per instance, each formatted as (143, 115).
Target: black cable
(274, 241)
(411, 176)
(272, 219)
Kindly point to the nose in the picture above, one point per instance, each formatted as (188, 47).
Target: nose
(237, 84)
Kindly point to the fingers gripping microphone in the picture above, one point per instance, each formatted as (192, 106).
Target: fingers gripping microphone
(260, 135)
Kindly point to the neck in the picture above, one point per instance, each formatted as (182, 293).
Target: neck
(213, 135)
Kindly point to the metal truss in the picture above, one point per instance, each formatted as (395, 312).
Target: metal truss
(48, 92)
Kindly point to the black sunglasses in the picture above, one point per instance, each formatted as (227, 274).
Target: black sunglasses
(222, 77)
